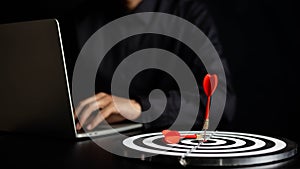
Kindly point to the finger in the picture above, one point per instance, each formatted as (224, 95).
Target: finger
(87, 101)
(86, 114)
(84, 103)
(104, 101)
(100, 95)
(105, 113)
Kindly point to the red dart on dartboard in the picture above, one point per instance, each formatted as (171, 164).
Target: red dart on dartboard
(210, 83)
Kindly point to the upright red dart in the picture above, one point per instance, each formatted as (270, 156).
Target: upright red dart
(210, 84)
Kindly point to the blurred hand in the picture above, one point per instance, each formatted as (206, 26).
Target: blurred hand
(107, 107)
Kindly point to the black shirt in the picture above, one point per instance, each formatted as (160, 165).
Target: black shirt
(90, 18)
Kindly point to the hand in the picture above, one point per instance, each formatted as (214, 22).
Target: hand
(108, 107)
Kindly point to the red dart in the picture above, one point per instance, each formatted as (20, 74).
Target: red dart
(173, 137)
(210, 84)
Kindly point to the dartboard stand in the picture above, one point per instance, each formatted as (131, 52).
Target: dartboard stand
(221, 149)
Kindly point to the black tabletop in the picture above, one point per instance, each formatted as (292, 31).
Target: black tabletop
(25, 151)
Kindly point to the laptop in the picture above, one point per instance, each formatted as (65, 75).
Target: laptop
(35, 94)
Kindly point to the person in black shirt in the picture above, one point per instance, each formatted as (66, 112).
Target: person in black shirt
(195, 11)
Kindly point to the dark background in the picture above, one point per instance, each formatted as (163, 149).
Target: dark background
(260, 40)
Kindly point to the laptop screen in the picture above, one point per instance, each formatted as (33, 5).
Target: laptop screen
(34, 88)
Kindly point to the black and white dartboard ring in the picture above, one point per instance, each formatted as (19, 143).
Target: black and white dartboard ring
(221, 149)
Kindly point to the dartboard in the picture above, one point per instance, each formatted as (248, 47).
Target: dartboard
(220, 149)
